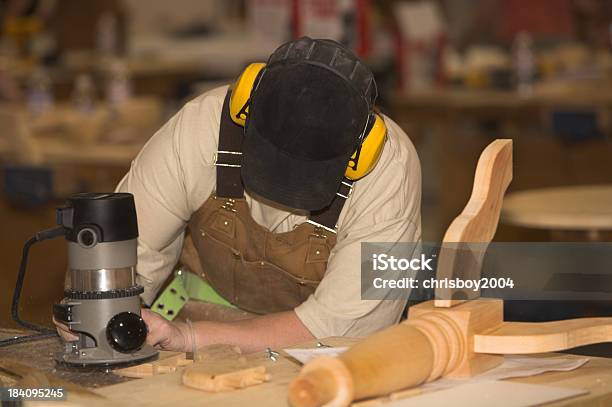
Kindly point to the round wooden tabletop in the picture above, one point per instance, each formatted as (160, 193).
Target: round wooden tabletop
(583, 208)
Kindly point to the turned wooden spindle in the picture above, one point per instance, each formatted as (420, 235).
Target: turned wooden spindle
(363, 371)
(429, 345)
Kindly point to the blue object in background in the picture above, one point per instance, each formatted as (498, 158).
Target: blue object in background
(28, 186)
(576, 125)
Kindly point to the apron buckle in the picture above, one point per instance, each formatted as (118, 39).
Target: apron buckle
(319, 230)
(346, 190)
(228, 205)
(228, 164)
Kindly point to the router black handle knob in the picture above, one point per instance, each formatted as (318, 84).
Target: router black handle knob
(126, 332)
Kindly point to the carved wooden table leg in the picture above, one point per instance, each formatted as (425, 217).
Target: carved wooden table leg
(434, 342)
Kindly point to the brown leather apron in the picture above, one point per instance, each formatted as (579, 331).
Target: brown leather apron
(256, 270)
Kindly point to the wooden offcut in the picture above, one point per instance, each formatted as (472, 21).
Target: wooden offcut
(168, 362)
(201, 377)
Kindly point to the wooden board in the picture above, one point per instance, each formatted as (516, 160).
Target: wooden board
(595, 376)
(466, 238)
(539, 337)
(165, 390)
(25, 376)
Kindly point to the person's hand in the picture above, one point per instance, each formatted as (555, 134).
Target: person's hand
(166, 335)
(64, 331)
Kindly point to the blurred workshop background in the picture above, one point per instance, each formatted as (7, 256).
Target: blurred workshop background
(84, 84)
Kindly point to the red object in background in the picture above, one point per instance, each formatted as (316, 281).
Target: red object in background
(363, 27)
(400, 57)
(540, 18)
(406, 50)
(420, 40)
(325, 19)
(440, 78)
(295, 19)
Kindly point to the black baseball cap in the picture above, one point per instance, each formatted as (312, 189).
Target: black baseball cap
(306, 116)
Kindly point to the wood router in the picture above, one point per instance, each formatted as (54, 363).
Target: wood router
(448, 336)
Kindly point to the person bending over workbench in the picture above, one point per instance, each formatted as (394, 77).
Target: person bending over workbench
(278, 179)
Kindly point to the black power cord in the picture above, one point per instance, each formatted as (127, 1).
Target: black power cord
(43, 332)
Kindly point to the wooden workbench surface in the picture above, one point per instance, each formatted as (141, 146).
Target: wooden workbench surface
(164, 390)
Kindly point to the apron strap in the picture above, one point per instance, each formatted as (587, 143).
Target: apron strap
(229, 182)
(328, 217)
(229, 154)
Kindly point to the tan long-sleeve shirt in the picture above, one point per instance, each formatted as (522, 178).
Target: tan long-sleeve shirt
(174, 174)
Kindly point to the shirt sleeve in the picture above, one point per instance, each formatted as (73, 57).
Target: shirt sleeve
(171, 176)
(386, 208)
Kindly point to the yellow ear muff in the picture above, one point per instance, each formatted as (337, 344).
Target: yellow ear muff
(369, 153)
(362, 161)
(241, 92)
